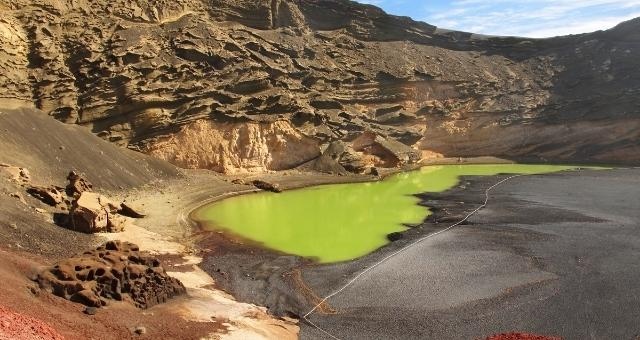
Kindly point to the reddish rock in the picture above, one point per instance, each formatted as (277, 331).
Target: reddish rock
(115, 271)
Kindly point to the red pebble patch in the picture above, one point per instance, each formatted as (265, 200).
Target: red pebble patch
(16, 326)
(521, 336)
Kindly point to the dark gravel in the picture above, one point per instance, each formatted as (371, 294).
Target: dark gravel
(551, 254)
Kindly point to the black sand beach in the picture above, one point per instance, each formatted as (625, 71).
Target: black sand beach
(551, 254)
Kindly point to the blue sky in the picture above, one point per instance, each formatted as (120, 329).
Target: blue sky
(536, 19)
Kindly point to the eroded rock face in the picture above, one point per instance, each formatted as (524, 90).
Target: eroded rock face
(115, 271)
(153, 75)
(14, 52)
(236, 147)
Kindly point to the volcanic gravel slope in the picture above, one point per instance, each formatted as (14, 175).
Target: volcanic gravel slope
(234, 85)
(14, 326)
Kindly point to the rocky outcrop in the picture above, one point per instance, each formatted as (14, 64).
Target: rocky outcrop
(236, 147)
(14, 61)
(50, 195)
(17, 174)
(93, 213)
(203, 84)
(341, 158)
(387, 153)
(116, 271)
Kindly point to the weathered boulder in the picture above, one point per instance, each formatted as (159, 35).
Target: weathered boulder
(353, 161)
(391, 153)
(52, 196)
(94, 213)
(340, 158)
(77, 184)
(266, 186)
(328, 162)
(127, 210)
(114, 271)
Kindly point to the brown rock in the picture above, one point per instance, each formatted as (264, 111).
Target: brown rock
(127, 210)
(49, 195)
(77, 184)
(117, 223)
(391, 153)
(264, 185)
(17, 174)
(114, 271)
(94, 213)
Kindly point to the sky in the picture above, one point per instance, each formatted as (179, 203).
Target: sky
(534, 19)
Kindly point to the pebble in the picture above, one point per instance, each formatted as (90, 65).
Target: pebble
(140, 330)
(90, 310)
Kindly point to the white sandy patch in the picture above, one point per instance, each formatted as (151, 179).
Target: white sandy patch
(146, 240)
(245, 321)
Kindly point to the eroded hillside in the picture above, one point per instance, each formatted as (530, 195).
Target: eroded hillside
(239, 85)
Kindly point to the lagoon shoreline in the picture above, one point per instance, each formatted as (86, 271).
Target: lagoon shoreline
(287, 286)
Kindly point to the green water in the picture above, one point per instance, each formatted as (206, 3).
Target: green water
(339, 222)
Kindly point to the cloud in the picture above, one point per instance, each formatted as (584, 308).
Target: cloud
(536, 19)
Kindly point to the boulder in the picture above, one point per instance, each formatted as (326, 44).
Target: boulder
(328, 165)
(390, 152)
(264, 185)
(77, 184)
(127, 210)
(52, 196)
(116, 223)
(340, 158)
(328, 162)
(114, 271)
(93, 213)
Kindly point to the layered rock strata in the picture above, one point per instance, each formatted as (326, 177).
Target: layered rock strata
(205, 84)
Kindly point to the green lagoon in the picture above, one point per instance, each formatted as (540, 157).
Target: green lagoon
(340, 222)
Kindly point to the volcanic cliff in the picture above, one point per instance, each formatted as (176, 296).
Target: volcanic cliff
(254, 85)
